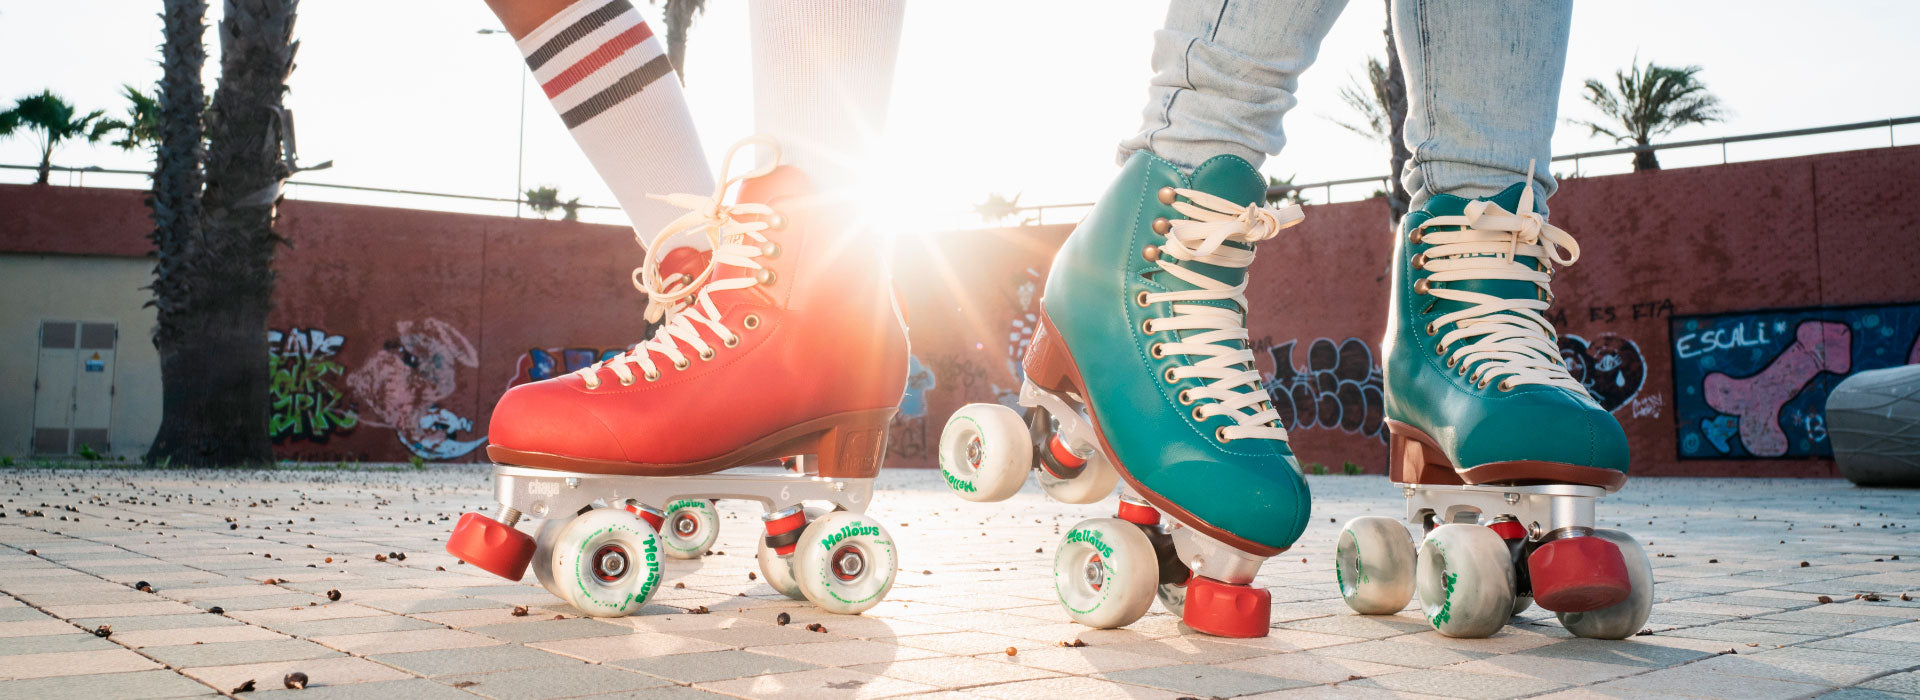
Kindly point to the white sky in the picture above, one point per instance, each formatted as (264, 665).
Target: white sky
(1008, 96)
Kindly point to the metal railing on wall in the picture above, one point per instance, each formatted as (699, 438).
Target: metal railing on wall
(83, 172)
(1039, 210)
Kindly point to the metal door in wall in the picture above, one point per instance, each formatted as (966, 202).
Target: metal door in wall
(73, 387)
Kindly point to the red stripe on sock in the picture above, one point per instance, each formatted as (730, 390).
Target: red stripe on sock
(601, 56)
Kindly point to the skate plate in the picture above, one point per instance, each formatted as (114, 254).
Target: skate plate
(1542, 509)
(542, 493)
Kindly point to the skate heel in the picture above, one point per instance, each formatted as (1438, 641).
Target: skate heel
(1413, 461)
(1227, 610)
(1047, 364)
(1579, 573)
(854, 445)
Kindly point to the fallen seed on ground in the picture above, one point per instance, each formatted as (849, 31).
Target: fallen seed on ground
(465, 684)
(246, 687)
(329, 560)
(519, 611)
(439, 568)
(295, 680)
(1804, 564)
(752, 576)
(1073, 644)
(379, 557)
(680, 584)
(333, 594)
(782, 619)
(700, 610)
(1644, 632)
(1824, 600)
(1906, 597)
(103, 630)
(1871, 597)
(1012, 651)
(217, 610)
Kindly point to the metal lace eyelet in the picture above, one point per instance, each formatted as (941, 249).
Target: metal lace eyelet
(653, 375)
(1161, 226)
(764, 276)
(1420, 286)
(1420, 261)
(769, 250)
(1167, 195)
(1186, 397)
(626, 381)
(1151, 253)
(682, 363)
(1197, 416)
(1168, 375)
(1156, 351)
(1432, 329)
(731, 341)
(1220, 434)
(1414, 238)
(1451, 361)
(1484, 382)
(1440, 349)
(1506, 385)
(706, 354)
(776, 221)
(592, 383)
(751, 322)
(1140, 299)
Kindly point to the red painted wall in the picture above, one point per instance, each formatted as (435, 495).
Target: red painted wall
(410, 323)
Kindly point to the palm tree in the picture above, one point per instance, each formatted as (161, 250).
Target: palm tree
(214, 246)
(1290, 195)
(141, 128)
(997, 209)
(1381, 104)
(546, 200)
(54, 120)
(679, 18)
(1650, 101)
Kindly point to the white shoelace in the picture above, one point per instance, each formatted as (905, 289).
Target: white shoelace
(687, 304)
(1498, 337)
(1235, 390)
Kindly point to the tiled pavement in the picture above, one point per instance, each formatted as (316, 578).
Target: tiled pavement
(1740, 566)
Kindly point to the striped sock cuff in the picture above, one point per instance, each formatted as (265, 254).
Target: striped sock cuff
(593, 56)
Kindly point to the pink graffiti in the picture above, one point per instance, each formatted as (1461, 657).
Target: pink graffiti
(401, 387)
(1820, 347)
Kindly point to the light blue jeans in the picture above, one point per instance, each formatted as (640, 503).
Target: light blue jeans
(1483, 85)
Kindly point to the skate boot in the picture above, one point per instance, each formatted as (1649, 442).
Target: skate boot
(783, 341)
(1500, 453)
(1139, 372)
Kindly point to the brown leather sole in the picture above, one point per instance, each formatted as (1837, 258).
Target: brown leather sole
(1050, 366)
(1417, 459)
(848, 445)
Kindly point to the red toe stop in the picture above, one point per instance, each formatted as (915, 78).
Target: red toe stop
(491, 545)
(1578, 574)
(1226, 609)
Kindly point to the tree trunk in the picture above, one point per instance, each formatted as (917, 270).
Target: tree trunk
(46, 166)
(679, 18)
(175, 202)
(213, 339)
(1644, 160)
(1397, 197)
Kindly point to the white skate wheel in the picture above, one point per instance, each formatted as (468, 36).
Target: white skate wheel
(1521, 603)
(845, 562)
(542, 565)
(1465, 580)
(985, 452)
(1095, 481)
(1173, 597)
(1373, 564)
(777, 570)
(689, 528)
(1627, 617)
(607, 562)
(1106, 573)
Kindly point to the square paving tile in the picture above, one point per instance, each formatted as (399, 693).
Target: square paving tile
(713, 666)
(552, 682)
(107, 686)
(499, 657)
(1207, 681)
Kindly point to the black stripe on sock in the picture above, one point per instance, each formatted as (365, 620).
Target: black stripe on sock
(586, 25)
(627, 86)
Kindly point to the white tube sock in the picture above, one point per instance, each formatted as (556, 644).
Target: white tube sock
(822, 74)
(608, 76)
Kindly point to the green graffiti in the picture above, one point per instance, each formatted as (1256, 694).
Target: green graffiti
(306, 403)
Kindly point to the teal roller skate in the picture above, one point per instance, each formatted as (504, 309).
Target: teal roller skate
(1140, 370)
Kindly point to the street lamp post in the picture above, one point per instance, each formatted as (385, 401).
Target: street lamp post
(520, 155)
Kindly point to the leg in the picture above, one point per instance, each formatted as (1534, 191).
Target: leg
(608, 76)
(1224, 73)
(822, 74)
(1483, 89)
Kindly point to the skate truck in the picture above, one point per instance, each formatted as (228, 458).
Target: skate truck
(1106, 571)
(767, 309)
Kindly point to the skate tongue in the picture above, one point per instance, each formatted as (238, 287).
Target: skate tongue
(1234, 180)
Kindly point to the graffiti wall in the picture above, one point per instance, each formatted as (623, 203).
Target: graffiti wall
(308, 401)
(1755, 384)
